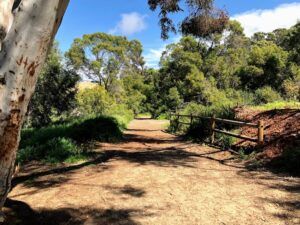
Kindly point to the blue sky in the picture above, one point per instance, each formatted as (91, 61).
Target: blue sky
(132, 18)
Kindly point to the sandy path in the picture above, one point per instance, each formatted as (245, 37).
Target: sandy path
(155, 178)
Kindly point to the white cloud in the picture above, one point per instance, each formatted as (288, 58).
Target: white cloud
(130, 23)
(152, 58)
(153, 55)
(283, 16)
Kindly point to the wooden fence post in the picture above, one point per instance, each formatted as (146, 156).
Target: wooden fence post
(192, 119)
(261, 132)
(213, 127)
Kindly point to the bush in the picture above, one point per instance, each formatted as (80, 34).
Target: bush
(66, 142)
(53, 151)
(266, 95)
(97, 101)
(239, 98)
(94, 101)
(200, 129)
(225, 141)
(122, 114)
(59, 149)
(95, 129)
(222, 110)
(291, 89)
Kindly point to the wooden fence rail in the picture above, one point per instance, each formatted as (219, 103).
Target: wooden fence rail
(214, 120)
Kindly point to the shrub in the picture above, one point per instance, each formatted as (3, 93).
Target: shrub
(122, 114)
(266, 95)
(94, 101)
(53, 151)
(200, 129)
(55, 92)
(60, 149)
(225, 141)
(223, 110)
(239, 97)
(95, 129)
(67, 141)
(291, 89)
(27, 153)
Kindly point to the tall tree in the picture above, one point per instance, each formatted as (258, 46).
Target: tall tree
(104, 57)
(26, 37)
(55, 91)
(202, 21)
(267, 64)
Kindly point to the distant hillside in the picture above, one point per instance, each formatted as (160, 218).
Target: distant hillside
(85, 85)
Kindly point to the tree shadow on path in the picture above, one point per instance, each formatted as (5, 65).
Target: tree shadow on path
(19, 213)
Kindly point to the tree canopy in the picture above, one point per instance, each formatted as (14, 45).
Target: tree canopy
(103, 57)
(202, 21)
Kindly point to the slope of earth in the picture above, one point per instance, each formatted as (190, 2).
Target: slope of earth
(152, 178)
(282, 133)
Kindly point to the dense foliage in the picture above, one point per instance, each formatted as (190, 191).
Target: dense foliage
(55, 91)
(68, 141)
(203, 20)
(233, 70)
(198, 75)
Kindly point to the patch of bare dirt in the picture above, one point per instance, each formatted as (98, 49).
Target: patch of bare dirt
(153, 178)
(282, 129)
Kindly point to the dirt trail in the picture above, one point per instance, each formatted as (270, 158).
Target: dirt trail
(154, 178)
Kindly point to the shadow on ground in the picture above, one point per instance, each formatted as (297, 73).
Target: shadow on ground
(126, 190)
(168, 157)
(19, 213)
(291, 205)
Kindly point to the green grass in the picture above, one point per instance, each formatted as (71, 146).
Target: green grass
(225, 141)
(163, 117)
(277, 105)
(69, 141)
(143, 115)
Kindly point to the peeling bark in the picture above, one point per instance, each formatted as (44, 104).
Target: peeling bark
(27, 35)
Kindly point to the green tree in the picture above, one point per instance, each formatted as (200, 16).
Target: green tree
(267, 65)
(154, 103)
(203, 20)
(224, 61)
(174, 99)
(104, 58)
(293, 43)
(266, 95)
(55, 91)
(134, 96)
(94, 101)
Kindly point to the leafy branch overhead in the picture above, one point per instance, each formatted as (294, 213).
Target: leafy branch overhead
(203, 20)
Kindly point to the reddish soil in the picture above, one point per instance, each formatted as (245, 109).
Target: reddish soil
(282, 129)
(153, 178)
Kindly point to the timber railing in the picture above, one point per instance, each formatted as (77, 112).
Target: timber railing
(259, 139)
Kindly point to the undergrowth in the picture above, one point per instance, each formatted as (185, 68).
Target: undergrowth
(69, 141)
(277, 105)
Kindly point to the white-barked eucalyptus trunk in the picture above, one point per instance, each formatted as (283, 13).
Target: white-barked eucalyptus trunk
(27, 29)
